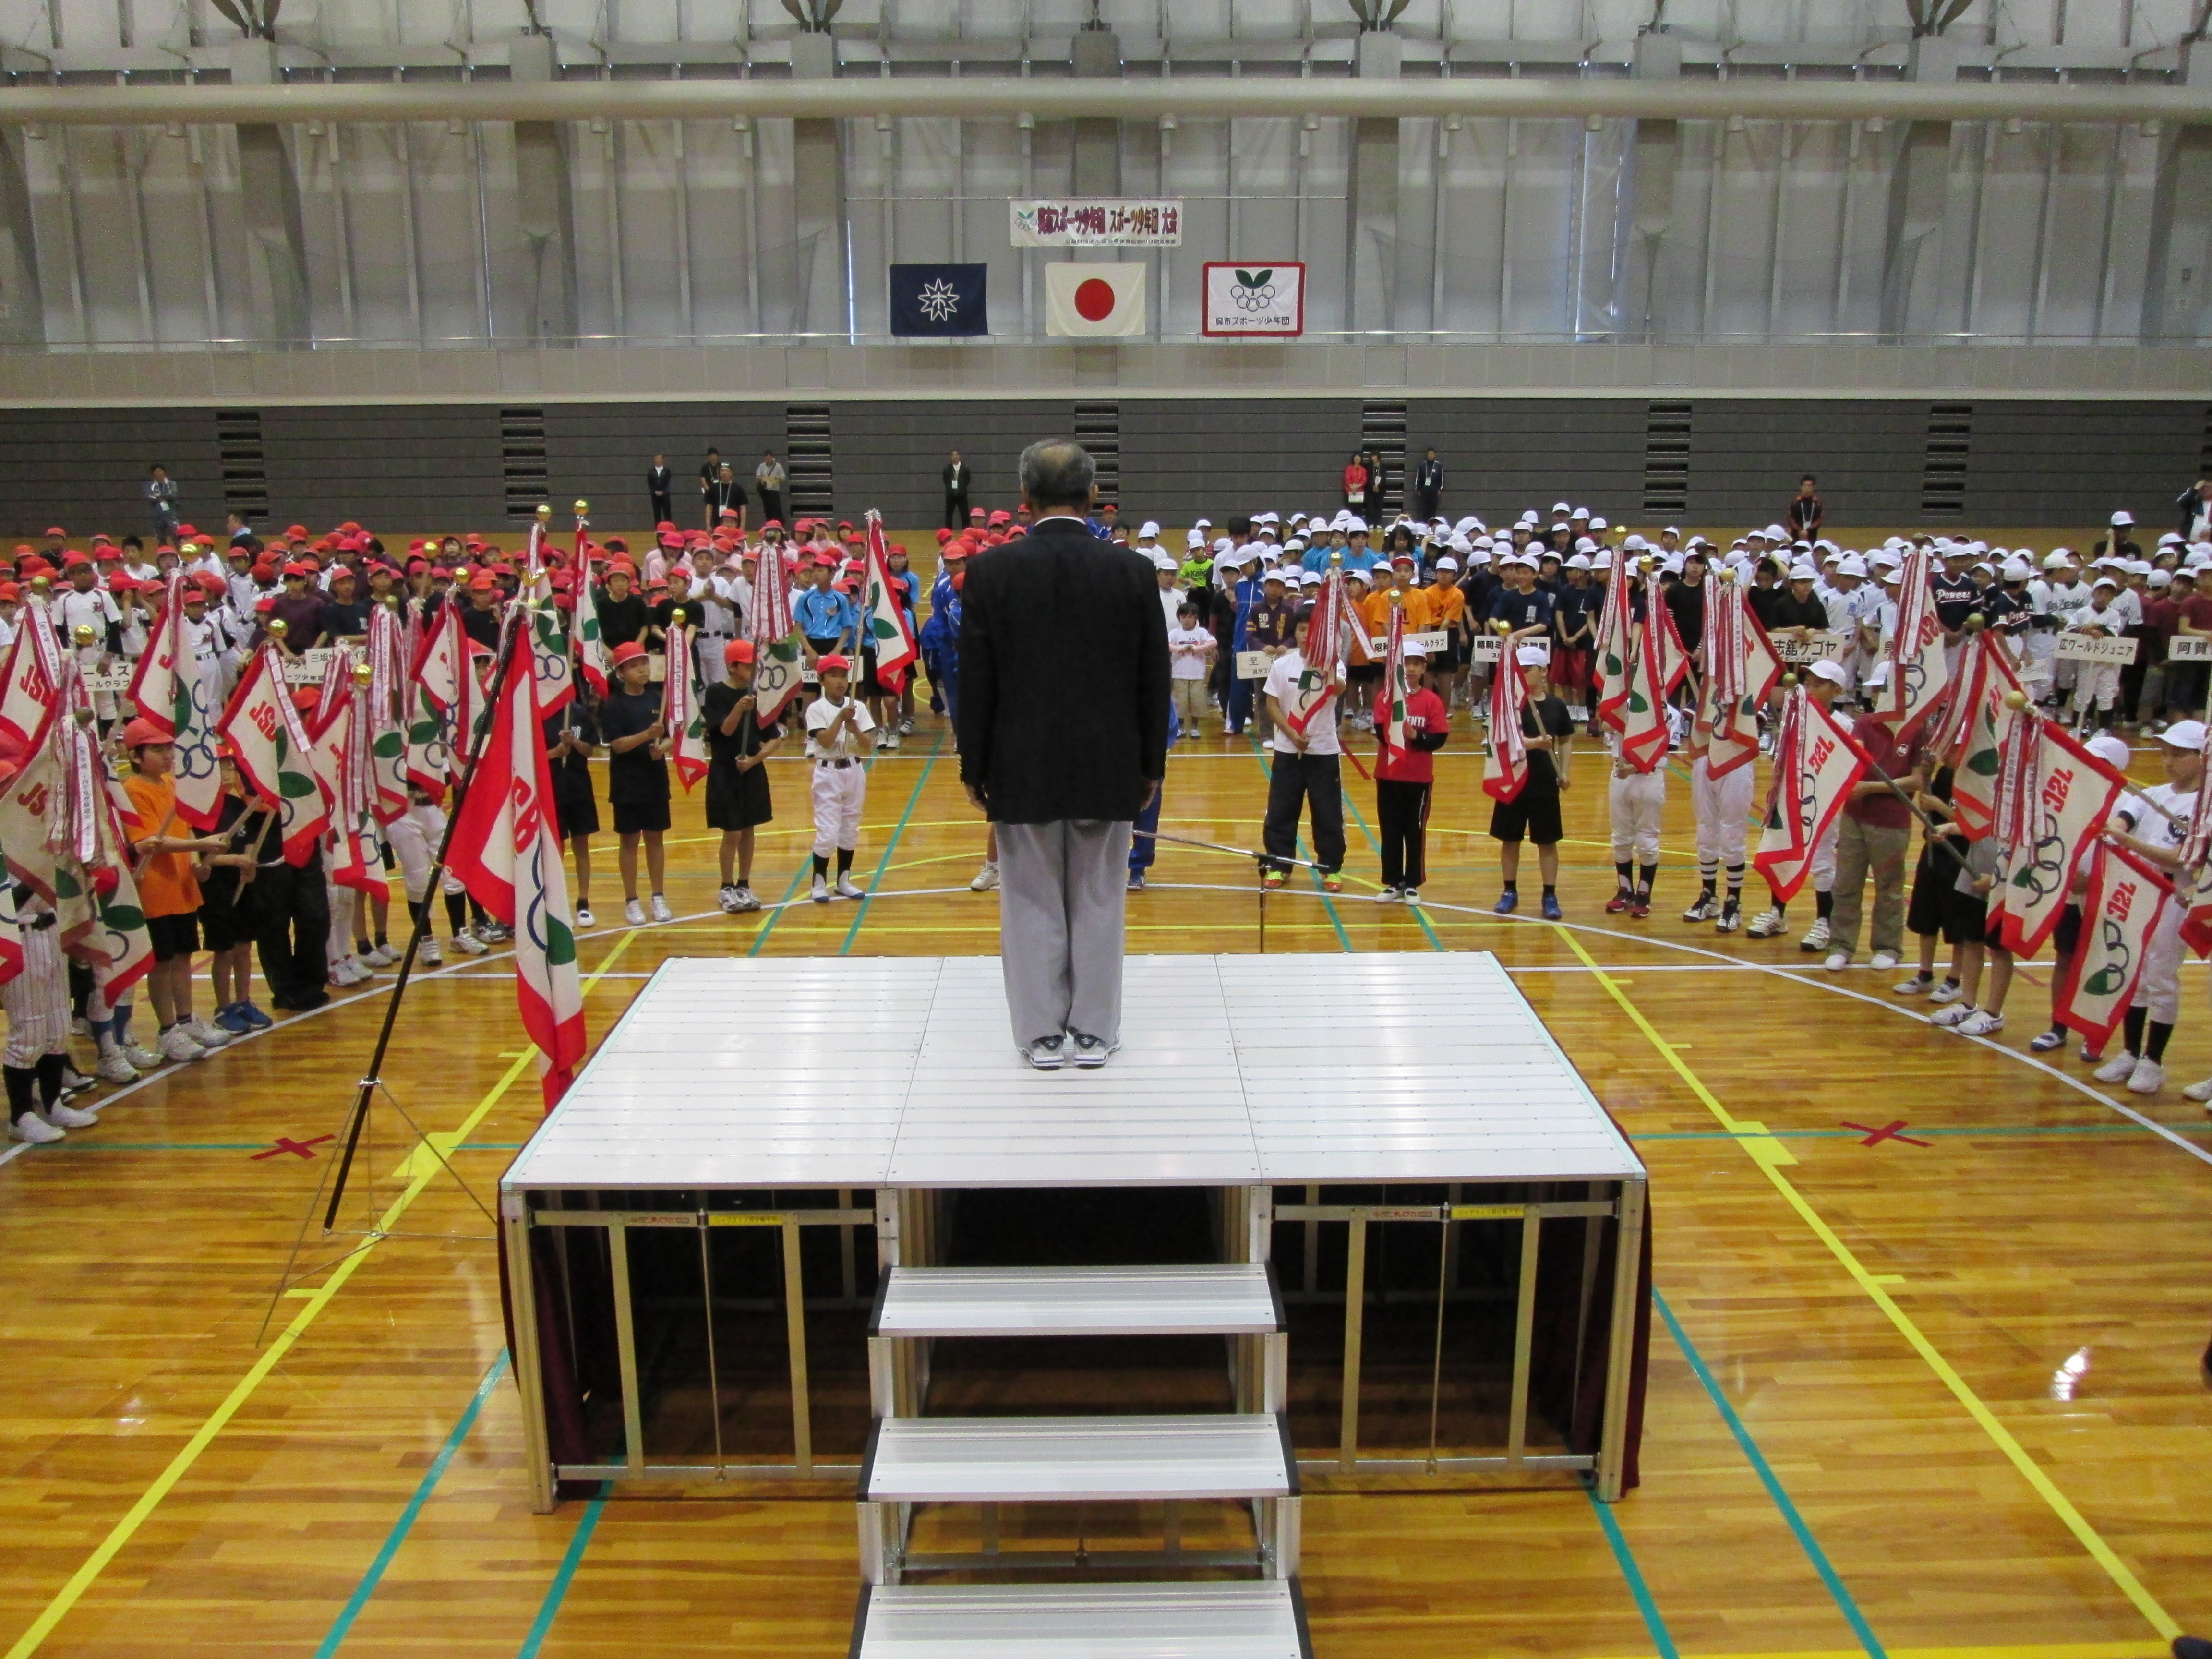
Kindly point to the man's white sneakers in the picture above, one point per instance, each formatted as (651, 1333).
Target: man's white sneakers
(1046, 1054)
(1883, 961)
(986, 878)
(176, 1044)
(1836, 961)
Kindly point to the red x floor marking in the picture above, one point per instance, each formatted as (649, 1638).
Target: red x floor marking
(285, 1144)
(1874, 1137)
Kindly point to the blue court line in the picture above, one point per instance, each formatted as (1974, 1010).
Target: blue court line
(405, 1523)
(1656, 1625)
(558, 1589)
(1360, 818)
(884, 863)
(1813, 1553)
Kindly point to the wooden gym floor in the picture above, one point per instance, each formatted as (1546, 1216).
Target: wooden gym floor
(1924, 1375)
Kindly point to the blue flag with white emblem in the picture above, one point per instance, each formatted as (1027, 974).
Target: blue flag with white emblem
(938, 300)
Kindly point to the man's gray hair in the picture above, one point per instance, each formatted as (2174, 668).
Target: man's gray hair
(1057, 472)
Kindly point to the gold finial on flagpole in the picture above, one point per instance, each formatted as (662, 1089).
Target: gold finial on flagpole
(676, 616)
(278, 628)
(363, 674)
(580, 506)
(1789, 682)
(544, 511)
(2016, 700)
(85, 634)
(1977, 622)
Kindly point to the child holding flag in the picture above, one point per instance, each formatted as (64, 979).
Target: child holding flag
(1548, 730)
(835, 723)
(636, 737)
(1404, 778)
(1305, 767)
(736, 785)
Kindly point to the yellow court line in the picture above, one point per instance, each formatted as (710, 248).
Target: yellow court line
(1769, 1154)
(122, 1532)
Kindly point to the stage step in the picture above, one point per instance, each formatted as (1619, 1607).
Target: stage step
(1233, 1300)
(1014, 1460)
(1229, 1620)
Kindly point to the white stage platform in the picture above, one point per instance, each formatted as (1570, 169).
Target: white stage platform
(1234, 1071)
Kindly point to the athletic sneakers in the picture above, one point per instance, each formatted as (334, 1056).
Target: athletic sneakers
(1705, 909)
(1332, 883)
(2148, 1078)
(60, 1116)
(821, 893)
(986, 878)
(906, 725)
(1090, 1052)
(634, 913)
(232, 1021)
(1918, 986)
(176, 1044)
(1815, 937)
(113, 1068)
(660, 910)
(891, 741)
(745, 900)
(2044, 1041)
(74, 1082)
(1730, 918)
(383, 956)
(1768, 923)
(469, 945)
(1836, 961)
(35, 1130)
(138, 1055)
(727, 898)
(1391, 896)
(1620, 900)
(1275, 878)
(1136, 881)
(1639, 906)
(2118, 1069)
(2198, 1091)
(1958, 1014)
(584, 916)
(1983, 1023)
(207, 1035)
(1552, 911)
(428, 954)
(1046, 1054)
(253, 1017)
(1948, 991)
(846, 889)
(1883, 961)
(1508, 902)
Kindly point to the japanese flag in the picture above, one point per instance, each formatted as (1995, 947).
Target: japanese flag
(1094, 299)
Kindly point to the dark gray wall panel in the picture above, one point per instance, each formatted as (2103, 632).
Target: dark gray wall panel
(409, 470)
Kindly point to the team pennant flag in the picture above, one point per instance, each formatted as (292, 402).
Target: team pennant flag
(441, 680)
(2126, 897)
(1973, 731)
(1327, 639)
(1610, 650)
(339, 744)
(1505, 771)
(1816, 763)
(506, 850)
(882, 611)
(680, 700)
(175, 689)
(584, 641)
(1657, 665)
(1741, 670)
(1393, 731)
(385, 736)
(276, 754)
(33, 692)
(2053, 796)
(1915, 653)
(780, 649)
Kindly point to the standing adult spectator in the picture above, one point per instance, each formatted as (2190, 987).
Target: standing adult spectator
(1873, 836)
(1377, 485)
(725, 495)
(1063, 732)
(1805, 513)
(956, 493)
(769, 479)
(1355, 478)
(162, 503)
(1428, 486)
(710, 471)
(2194, 504)
(660, 484)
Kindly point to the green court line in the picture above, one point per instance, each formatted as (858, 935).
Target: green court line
(806, 858)
(1646, 1604)
(557, 1591)
(1360, 818)
(883, 864)
(369, 1580)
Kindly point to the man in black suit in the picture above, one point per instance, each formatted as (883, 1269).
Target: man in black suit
(1063, 729)
(1428, 487)
(660, 483)
(710, 473)
(956, 493)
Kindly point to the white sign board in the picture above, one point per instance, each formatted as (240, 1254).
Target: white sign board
(2189, 647)
(1253, 665)
(1436, 643)
(1254, 299)
(1095, 223)
(2095, 647)
(1814, 647)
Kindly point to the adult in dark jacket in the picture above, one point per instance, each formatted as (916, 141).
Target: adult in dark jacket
(1063, 727)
